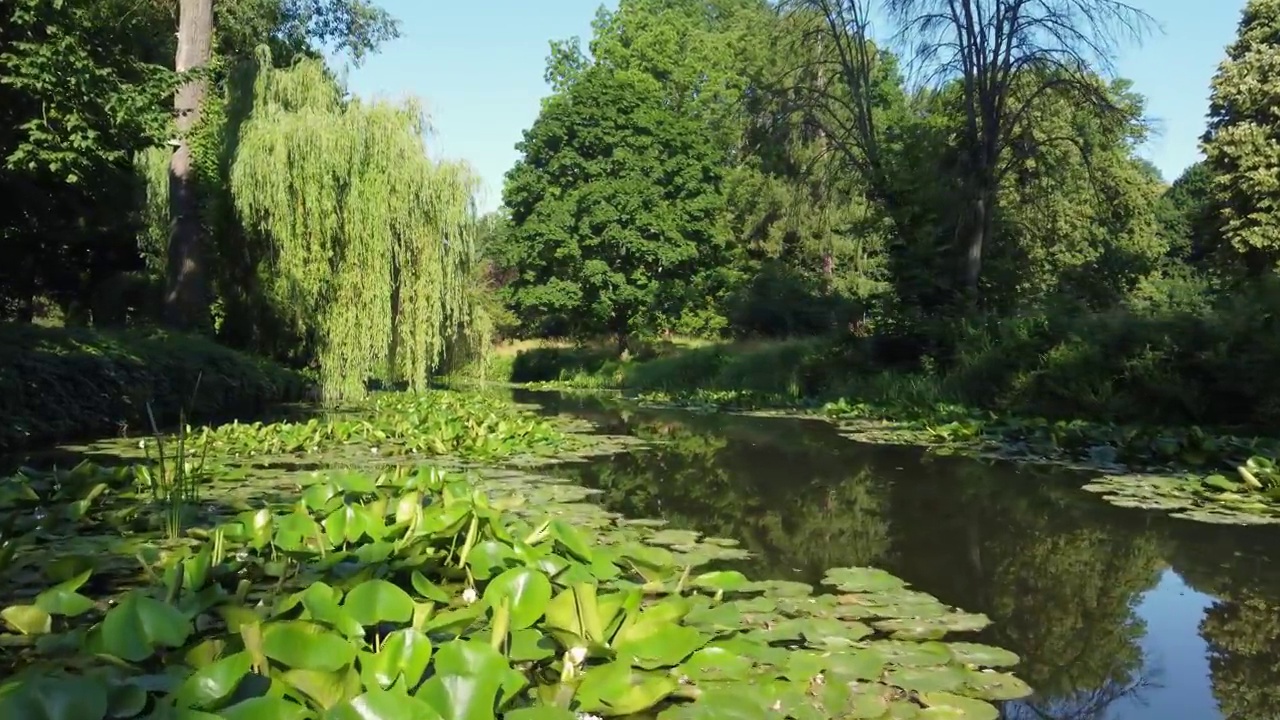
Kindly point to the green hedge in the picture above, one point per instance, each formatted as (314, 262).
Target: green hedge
(60, 384)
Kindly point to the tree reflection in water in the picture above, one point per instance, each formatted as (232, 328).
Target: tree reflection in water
(1059, 572)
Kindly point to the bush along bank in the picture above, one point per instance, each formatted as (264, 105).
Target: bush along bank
(60, 384)
(409, 591)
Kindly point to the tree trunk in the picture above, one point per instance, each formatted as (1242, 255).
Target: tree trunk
(186, 302)
(981, 219)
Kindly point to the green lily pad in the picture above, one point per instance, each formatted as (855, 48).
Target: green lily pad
(860, 579)
(946, 706)
(382, 705)
(991, 685)
(982, 655)
(375, 601)
(306, 646)
(527, 591)
(139, 624)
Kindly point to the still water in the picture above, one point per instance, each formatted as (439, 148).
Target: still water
(1118, 614)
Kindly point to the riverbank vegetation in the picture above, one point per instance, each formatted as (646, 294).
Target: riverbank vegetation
(993, 239)
(980, 255)
(59, 384)
(279, 215)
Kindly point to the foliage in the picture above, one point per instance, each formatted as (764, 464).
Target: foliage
(393, 424)
(411, 592)
(1185, 213)
(368, 244)
(60, 384)
(81, 86)
(1240, 144)
(598, 246)
(84, 91)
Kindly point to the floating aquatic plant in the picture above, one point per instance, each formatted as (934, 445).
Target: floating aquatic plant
(420, 592)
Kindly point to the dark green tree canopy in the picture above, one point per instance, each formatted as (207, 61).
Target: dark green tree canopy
(613, 208)
(1242, 144)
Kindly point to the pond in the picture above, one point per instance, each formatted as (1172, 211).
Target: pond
(1118, 614)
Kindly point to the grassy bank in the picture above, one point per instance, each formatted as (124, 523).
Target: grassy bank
(67, 383)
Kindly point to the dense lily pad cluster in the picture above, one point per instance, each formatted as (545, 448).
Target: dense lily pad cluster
(1212, 499)
(434, 423)
(413, 595)
(408, 591)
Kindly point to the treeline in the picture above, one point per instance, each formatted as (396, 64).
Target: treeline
(197, 164)
(745, 168)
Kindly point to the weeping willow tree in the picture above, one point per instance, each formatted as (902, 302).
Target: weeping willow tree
(369, 243)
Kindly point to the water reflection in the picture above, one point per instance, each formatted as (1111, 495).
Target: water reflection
(1114, 611)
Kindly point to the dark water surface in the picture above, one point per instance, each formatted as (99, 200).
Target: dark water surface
(1118, 614)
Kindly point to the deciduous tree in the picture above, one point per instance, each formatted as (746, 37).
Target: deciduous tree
(1242, 144)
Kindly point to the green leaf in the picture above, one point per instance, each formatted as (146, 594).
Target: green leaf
(530, 645)
(541, 712)
(327, 689)
(946, 706)
(571, 540)
(528, 590)
(306, 646)
(716, 663)
(27, 619)
(54, 697)
(655, 644)
(404, 652)
(615, 689)
(469, 676)
(214, 682)
(726, 580)
(135, 628)
(321, 603)
(382, 705)
(126, 700)
(265, 708)
(62, 599)
(375, 601)
(428, 589)
(862, 579)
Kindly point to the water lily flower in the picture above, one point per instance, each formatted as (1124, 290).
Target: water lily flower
(469, 596)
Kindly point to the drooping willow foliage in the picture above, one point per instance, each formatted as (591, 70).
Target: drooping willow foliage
(369, 242)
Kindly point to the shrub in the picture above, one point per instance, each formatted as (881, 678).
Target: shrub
(68, 383)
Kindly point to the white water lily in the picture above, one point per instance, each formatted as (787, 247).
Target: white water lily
(577, 655)
(469, 596)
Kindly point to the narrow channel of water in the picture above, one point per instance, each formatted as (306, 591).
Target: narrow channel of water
(1118, 614)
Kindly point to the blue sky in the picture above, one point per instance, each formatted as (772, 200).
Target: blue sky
(478, 67)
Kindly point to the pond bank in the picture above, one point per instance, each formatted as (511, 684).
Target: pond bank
(61, 384)
(415, 557)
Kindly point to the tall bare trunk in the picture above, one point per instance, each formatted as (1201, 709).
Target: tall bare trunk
(186, 302)
(979, 231)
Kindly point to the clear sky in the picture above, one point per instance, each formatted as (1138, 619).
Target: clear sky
(478, 67)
